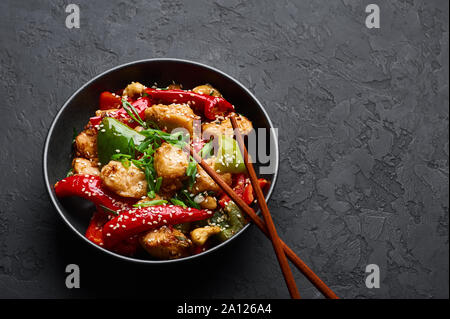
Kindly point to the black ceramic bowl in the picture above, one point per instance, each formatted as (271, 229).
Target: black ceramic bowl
(82, 104)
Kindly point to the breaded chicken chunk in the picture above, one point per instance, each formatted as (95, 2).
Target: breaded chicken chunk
(84, 166)
(203, 182)
(207, 89)
(166, 243)
(171, 163)
(134, 90)
(171, 116)
(126, 182)
(224, 127)
(86, 144)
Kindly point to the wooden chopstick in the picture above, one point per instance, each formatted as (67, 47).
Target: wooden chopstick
(273, 235)
(305, 270)
(248, 210)
(313, 278)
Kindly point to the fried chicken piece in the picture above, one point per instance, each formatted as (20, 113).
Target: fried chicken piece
(207, 89)
(86, 144)
(126, 182)
(203, 182)
(85, 167)
(224, 127)
(166, 243)
(172, 116)
(134, 90)
(171, 163)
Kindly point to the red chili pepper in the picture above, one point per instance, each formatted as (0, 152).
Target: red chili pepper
(109, 101)
(90, 188)
(211, 106)
(197, 144)
(199, 249)
(128, 246)
(139, 220)
(263, 183)
(94, 233)
(248, 196)
(238, 187)
(245, 192)
(140, 105)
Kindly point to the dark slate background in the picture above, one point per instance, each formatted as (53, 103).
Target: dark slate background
(363, 118)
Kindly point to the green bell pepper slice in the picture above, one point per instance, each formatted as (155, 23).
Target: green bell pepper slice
(114, 137)
(231, 221)
(229, 157)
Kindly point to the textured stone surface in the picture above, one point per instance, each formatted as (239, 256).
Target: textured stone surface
(363, 117)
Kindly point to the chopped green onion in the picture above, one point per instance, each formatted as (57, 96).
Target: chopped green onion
(69, 173)
(126, 163)
(158, 184)
(151, 203)
(206, 149)
(131, 146)
(143, 146)
(191, 171)
(74, 135)
(178, 202)
(152, 123)
(108, 210)
(132, 112)
(189, 201)
(116, 157)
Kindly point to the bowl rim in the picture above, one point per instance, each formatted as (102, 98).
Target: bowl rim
(56, 203)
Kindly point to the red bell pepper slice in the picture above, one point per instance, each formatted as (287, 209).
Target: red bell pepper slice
(238, 187)
(90, 187)
(121, 114)
(210, 106)
(127, 247)
(199, 249)
(109, 101)
(246, 192)
(138, 220)
(217, 107)
(94, 233)
(248, 196)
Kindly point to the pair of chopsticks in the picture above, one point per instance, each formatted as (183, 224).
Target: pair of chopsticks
(267, 226)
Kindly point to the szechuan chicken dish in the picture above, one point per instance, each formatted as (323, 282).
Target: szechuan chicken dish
(150, 195)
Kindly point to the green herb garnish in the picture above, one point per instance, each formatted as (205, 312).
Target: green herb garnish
(176, 139)
(123, 158)
(69, 173)
(207, 149)
(133, 113)
(191, 171)
(117, 157)
(178, 202)
(151, 203)
(74, 135)
(188, 199)
(108, 210)
(158, 184)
